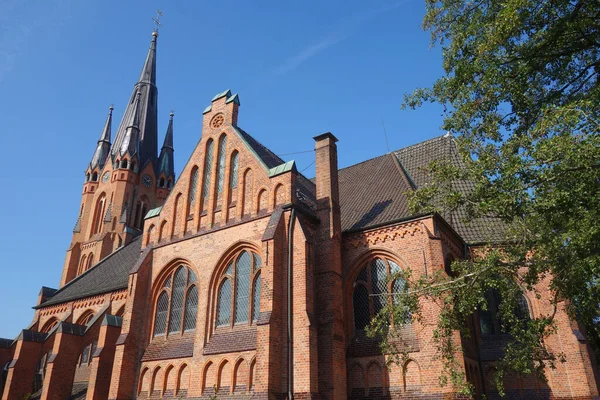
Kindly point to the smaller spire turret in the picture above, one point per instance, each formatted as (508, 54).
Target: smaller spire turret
(103, 147)
(165, 160)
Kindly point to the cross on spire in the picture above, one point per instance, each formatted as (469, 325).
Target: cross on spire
(157, 20)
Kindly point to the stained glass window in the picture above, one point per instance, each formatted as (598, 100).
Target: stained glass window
(173, 305)
(191, 309)
(177, 300)
(360, 300)
(373, 288)
(256, 298)
(162, 307)
(224, 304)
(242, 289)
(244, 270)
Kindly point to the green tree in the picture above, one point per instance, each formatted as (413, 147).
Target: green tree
(521, 95)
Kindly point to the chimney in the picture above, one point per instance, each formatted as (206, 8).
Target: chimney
(328, 196)
(328, 271)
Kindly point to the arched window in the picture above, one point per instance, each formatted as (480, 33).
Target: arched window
(141, 209)
(87, 177)
(221, 166)
(95, 177)
(489, 319)
(238, 297)
(169, 184)
(161, 182)
(90, 262)
(192, 192)
(85, 318)
(49, 325)
(99, 214)
(177, 304)
(373, 288)
(124, 163)
(208, 155)
(233, 177)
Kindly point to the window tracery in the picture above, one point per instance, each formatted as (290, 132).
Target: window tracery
(238, 294)
(374, 288)
(177, 305)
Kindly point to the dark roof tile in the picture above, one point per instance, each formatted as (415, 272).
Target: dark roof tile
(110, 274)
(373, 192)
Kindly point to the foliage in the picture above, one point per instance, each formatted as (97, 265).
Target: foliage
(521, 95)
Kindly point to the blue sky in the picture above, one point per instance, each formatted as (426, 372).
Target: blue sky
(300, 68)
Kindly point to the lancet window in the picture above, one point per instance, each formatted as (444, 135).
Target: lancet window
(221, 165)
(192, 192)
(208, 156)
(177, 303)
(233, 176)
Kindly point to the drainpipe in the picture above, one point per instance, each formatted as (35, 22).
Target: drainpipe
(289, 304)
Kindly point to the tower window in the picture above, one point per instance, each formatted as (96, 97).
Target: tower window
(161, 182)
(238, 296)
(95, 177)
(124, 163)
(177, 304)
(99, 214)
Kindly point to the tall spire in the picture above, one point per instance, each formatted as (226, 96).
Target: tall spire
(103, 147)
(165, 160)
(143, 108)
(148, 74)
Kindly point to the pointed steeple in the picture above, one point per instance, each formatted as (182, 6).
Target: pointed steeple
(165, 160)
(148, 74)
(141, 112)
(103, 147)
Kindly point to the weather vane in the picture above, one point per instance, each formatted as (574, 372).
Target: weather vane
(157, 20)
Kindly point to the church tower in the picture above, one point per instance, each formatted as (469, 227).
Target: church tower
(125, 179)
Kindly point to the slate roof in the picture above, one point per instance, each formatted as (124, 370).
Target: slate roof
(110, 274)
(373, 192)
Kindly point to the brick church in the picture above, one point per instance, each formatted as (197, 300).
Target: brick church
(242, 278)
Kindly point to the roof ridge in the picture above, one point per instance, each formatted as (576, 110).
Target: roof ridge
(77, 278)
(445, 135)
(394, 151)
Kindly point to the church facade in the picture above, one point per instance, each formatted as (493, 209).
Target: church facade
(244, 279)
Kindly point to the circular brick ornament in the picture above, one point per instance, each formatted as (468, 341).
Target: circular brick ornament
(217, 121)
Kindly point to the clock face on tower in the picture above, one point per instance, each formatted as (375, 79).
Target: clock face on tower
(105, 177)
(147, 180)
